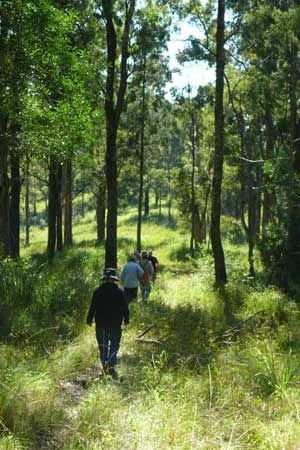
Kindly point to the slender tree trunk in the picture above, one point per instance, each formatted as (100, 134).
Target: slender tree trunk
(59, 219)
(146, 205)
(27, 211)
(193, 206)
(252, 209)
(14, 207)
(100, 210)
(258, 203)
(68, 238)
(142, 152)
(52, 208)
(111, 136)
(112, 114)
(267, 195)
(4, 190)
(15, 190)
(160, 212)
(82, 204)
(219, 259)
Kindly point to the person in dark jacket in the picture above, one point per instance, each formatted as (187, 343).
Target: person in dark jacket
(110, 309)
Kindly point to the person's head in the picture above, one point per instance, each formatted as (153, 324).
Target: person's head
(144, 255)
(132, 258)
(150, 253)
(109, 275)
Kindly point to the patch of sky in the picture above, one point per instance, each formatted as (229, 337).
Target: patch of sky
(192, 73)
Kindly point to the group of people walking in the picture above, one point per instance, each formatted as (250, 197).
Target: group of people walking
(140, 270)
(110, 304)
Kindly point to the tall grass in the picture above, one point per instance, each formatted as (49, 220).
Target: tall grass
(203, 382)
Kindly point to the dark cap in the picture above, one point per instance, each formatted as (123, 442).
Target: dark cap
(110, 274)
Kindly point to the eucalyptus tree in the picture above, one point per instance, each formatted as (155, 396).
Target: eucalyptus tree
(215, 232)
(118, 24)
(192, 183)
(269, 47)
(212, 49)
(56, 114)
(17, 49)
(150, 73)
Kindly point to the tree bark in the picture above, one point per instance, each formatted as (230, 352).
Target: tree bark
(100, 210)
(193, 206)
(142, 154)
(52, 208)
(68, 205)
(267, 195)
(112, 114)
(146, 204)
(218, 253)
(14, 207)
(27, 210)
(4, 189)
(59, 221)
(82, 204)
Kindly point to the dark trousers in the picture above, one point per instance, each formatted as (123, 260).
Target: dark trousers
(109, 343)
(130, 294)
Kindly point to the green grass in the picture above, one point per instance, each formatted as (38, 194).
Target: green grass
(213, 381)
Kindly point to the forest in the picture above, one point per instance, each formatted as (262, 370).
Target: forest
(100, 154)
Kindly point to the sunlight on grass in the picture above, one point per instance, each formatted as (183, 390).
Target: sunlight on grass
(197, 381)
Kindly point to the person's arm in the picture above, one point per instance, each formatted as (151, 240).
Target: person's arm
(92, 310)
(150, 268)
(140, 271)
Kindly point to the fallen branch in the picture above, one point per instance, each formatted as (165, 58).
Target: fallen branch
(146, 331)
(148, 341)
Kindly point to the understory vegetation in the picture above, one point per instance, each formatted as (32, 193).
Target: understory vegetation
(220, 371)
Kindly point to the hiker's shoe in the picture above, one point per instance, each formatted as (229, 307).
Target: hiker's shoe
(113, 373)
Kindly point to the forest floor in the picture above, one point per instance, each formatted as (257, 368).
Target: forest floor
(219, 370)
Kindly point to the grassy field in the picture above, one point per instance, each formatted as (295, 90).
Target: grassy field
(224, 373)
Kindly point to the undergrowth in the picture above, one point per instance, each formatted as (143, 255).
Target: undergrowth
(218, 370)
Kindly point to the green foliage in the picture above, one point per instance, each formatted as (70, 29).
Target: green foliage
(38, 305)
(229, 383)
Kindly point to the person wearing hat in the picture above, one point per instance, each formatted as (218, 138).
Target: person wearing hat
(130, 275)
(110, 310)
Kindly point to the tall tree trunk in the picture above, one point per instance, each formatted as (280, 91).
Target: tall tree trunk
(142, 151)
(27, 211)
(146, 204)
(68, 203)
(82, 203)
(160, 211)
(14, 207)
(267, 195)
(4, 190)
(252, 209)
(112, 114)
(258, 202)
(193, 206)
(219, 259)
(59, 221)
(100, 210)
(52, 208)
